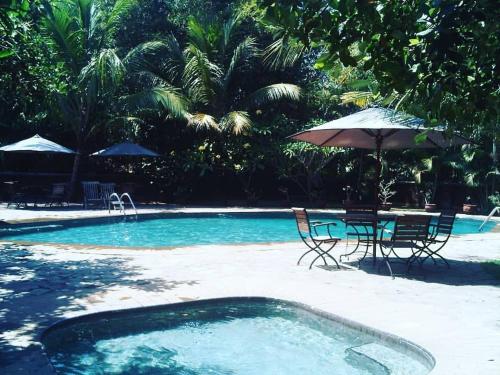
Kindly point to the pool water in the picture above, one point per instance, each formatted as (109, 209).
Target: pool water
(183, 230)
(240, 336)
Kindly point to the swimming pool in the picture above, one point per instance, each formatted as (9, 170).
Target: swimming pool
(232, 336)
(167, 230)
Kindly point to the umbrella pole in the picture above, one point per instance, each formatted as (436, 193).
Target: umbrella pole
(378, 172)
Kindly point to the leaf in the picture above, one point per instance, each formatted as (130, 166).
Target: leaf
(201, 77)
(276, 92)
(359, 98)
(6, 53)
(162, 97)
(203, 121)
(120, 10)
(421, 137)
(238, 122)
(283, 53)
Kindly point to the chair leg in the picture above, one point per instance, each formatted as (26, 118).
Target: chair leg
(386, 260)
(315, 259)
(303, 255)
(325, 253)
(432, 255)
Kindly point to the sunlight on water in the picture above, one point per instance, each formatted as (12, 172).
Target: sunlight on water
(185, 230)
(257, 339)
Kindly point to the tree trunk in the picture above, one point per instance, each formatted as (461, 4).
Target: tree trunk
(74, 174)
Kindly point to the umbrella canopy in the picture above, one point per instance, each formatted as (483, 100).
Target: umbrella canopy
(377, 128)
(37, 144)
(125, 149)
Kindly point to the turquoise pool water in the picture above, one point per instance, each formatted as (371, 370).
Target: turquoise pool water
(237, 337)
(182, 230)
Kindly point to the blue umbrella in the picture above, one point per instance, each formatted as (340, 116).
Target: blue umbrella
(37, 144)
(125, 149)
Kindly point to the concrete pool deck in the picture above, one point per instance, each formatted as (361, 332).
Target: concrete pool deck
(454, 314)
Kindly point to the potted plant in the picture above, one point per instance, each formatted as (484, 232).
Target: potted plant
(385, 192)
(468, 207)
(348, 192)
(428, 193)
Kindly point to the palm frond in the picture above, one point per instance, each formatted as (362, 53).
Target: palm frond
(273, 93)
(87, 10)
(145, 57)
(136, 59)
(228, 30)
(106, 68)
(282, 53)
(159, 98)
(203, 121)
(237, 122)
(62, 27)
(201, 77)
(360, 99)
(120, 10)
(197, 35)
(243, 53)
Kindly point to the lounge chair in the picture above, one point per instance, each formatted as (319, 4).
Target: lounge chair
(319, 244)
(439, 234)
(410, 232)
(106, 190)
(92, 194)
(58, 195)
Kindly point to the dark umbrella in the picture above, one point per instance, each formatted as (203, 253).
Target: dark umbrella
(37, 144)
(379, 129)
(125, 149)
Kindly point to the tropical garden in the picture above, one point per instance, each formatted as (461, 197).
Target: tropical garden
(216, 87)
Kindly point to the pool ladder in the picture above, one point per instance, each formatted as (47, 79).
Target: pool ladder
(493, 212)
(120, 202)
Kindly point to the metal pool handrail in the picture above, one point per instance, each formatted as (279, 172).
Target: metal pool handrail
(119, 200)
(493, 212)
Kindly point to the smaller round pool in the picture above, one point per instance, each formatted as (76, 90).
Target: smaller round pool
(236, 336)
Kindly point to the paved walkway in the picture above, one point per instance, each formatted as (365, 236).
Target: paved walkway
(454, 314)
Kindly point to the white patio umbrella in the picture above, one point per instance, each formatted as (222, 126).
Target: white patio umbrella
(378, 129)
(37, 144)
(125, 149)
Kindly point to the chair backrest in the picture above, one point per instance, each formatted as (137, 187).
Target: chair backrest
(445, 222)
(107, 189)
(411, 228)
(58, 189)
(91, 189)
(302, 219)
(357, 212)
(360, 210)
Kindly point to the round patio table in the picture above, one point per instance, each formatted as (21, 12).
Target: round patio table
(375, 220)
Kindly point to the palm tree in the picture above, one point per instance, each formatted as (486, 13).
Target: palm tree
(212, 74)
(83, 32)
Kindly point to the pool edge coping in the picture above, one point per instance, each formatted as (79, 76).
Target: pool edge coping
(403, 345)
(181, 212)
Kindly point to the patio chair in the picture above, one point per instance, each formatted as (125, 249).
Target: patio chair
(58, 195)
(360, 228)
(410, 232)
(319, 244)
(439, 234)
(92, 194)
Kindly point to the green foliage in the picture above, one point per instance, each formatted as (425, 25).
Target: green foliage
(210, 71)
(214, 86)
(442, 53)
